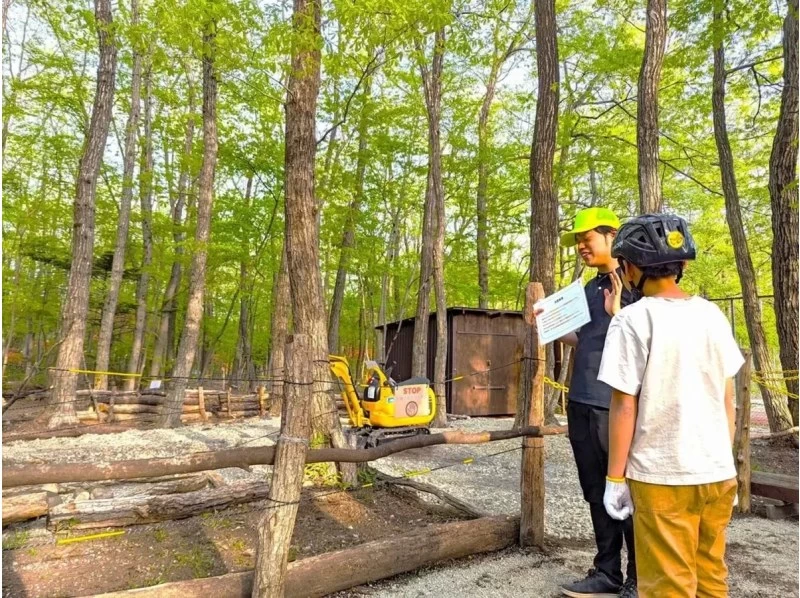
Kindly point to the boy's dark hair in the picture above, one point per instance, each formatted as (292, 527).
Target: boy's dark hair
(605, 230)
(667, 270)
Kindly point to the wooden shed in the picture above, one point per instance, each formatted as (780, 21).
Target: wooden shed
(478, 340)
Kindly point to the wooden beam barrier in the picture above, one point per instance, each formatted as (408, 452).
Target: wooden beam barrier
(29, 474)
(343, 569)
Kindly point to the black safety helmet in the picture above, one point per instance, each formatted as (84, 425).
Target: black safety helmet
(654, 239)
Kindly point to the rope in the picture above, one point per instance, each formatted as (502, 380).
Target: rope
(774, 387)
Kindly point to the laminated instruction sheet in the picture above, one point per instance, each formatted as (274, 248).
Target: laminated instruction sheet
(562, 312)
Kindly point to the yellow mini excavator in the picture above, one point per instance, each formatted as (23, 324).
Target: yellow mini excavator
(386, 410)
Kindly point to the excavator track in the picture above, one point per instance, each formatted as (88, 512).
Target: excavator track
(372, 437)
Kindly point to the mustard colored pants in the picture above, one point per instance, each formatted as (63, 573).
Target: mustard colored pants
(679, 533)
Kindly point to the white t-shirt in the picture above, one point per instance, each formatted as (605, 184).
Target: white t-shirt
(676, 355)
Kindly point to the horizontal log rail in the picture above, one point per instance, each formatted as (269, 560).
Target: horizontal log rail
(28, 474)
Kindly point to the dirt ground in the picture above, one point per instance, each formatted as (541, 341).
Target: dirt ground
(211, 544)
(777, 456)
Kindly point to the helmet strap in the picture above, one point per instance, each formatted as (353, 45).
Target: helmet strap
(679, 276)
(640, 284)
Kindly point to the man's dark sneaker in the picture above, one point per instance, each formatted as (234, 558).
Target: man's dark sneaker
(596, 584)
(628, 589)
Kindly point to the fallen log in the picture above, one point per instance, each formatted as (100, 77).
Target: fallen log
(770, 435)
(29, 474)
(445, 497)
(149, 508)
(24, 507)
(143, 400)
(106, 393)
(335, 571)
(119, 417)
(120, 409)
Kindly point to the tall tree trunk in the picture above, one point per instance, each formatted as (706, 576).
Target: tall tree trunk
(783, 195)
(431, 84)
(484, 142)
(544, 200)
(243, 370)
(279, 329)
(308, 307)
(118, 263)
(349, 236)
(276, 527)
(162, 350)
(135, 359)
(647, 108)
(171, 415)
(434, 99)
(777, 413)
(61, 410)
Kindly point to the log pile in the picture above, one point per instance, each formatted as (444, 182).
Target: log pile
(138, 408)
(199, 405)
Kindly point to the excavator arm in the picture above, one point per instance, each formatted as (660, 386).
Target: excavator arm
(341, 369)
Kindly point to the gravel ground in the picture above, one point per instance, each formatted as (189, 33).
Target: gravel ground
(491, 481)
(762, 554)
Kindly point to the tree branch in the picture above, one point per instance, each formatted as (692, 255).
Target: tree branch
(750, 65)
(371, 67)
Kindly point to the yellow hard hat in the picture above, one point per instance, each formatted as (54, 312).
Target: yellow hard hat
(589, 219)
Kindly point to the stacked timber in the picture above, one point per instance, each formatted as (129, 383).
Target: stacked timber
(144, 407)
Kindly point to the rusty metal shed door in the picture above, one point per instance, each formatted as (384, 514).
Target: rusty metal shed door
(483, 343)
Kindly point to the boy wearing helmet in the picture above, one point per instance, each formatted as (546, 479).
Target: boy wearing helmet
(670, 359)
(587, 412)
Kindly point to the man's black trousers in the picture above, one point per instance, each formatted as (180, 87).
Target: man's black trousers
(588, 435)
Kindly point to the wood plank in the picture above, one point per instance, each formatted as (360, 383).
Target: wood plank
(774, 485)
(24, 507)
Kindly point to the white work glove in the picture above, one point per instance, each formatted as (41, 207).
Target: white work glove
(617, 499)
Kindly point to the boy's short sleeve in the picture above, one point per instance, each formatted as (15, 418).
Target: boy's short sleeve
(732, 359)
(624, 357)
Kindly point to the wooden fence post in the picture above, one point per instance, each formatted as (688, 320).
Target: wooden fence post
(531, 527)
(741, 439)
(277, 525)
(228, 400)
(201, 401)
(261, 401)
(111, 402)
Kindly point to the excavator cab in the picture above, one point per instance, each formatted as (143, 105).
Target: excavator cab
(381, 409)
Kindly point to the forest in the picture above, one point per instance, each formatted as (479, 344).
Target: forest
(185, 184)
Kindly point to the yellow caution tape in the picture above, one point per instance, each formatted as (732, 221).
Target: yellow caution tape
(62, 541)
(123, 374)
(456, 378)
(468, 461)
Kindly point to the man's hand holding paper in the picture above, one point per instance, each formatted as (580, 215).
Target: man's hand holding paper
(561, 313)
